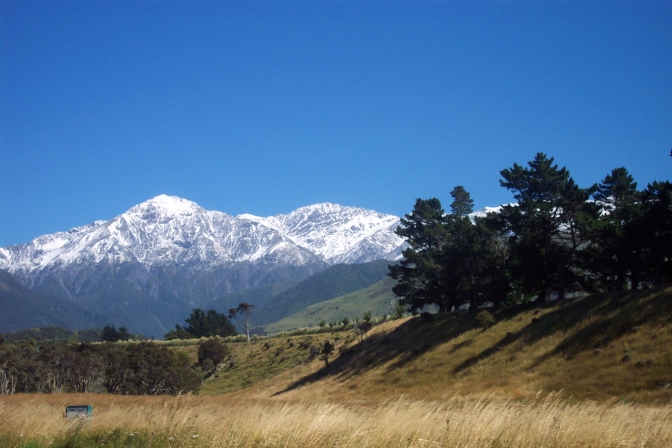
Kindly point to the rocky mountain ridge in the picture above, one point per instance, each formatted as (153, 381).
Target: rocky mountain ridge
(168, 254)
(171, 230)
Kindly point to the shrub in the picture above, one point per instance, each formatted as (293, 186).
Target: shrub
(485, 319)
(327, 350)
(212, 350)
(399, 311)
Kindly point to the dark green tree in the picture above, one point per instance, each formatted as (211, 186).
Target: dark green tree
(420, 274)
(212, 350)
(462, 203)
(547, 227)
(655, 230)
(109, 334)
(124, 335)
(616, 251)
(326, 351)
(177, 333)
(153, 370)
(451, 259)
(208, 323)
(474, 258)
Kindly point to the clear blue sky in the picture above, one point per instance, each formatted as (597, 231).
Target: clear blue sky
(263, 107)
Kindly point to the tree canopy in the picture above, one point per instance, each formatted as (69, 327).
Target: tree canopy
(203, 324)
(555, 240)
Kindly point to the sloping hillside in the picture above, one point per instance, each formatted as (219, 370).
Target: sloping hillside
(333, 282)
(376, 298)
(21, 308)
(598, 347)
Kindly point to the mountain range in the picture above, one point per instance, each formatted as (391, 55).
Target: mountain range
(148, 267)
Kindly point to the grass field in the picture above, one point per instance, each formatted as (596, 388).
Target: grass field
(119, 421)
(409, 383)
(600, 347)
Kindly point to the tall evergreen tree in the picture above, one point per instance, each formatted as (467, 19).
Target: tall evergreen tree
(420, 275)
(474, 267)
(210, 323)
(451, 259)
(655, 226)
(614, 256)
(462, 203)
(546, 226)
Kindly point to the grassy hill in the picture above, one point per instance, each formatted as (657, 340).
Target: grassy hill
(333, 282)
(376, 298)
(597, 347)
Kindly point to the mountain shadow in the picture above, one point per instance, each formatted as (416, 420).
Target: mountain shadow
(22, 308)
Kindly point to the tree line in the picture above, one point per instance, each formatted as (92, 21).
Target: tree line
(210, 323)
(142, 368)
(557, 239)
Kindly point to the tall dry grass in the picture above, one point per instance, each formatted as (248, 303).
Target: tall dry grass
(400, 422)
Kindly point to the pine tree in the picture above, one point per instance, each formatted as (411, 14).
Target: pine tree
(547, 226)
(420, 274)
(655, 230)
(614, 254)
(462, 203)
(206, 324)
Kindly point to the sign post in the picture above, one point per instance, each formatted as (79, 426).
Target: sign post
(79, 411)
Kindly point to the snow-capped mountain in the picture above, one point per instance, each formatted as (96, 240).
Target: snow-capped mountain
(338, 234)
(173, 252)
(172, 231)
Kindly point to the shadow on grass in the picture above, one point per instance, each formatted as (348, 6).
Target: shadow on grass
(402, 345)
(616, 314)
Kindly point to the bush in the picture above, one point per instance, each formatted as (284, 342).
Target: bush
(213, 350)
(485, 319)
(399, 311)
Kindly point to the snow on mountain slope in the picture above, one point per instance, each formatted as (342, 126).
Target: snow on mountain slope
(170, 230)
(337, 233)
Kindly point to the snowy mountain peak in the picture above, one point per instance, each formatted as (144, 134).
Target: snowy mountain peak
(323, 208)
(171, 231)
(167, 206)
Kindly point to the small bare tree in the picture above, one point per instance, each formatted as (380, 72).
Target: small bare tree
(243, 314)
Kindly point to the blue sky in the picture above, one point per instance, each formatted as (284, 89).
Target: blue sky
(263, 107)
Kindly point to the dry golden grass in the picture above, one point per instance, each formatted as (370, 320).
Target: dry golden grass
(409, 383)
(36, 420)
(576, 346)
